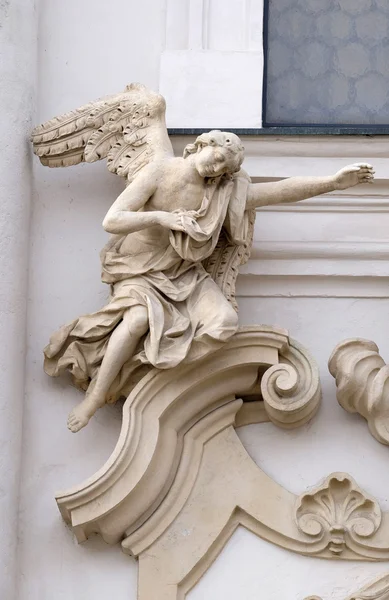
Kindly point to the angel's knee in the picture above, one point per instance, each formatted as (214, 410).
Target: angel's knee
(137, 320)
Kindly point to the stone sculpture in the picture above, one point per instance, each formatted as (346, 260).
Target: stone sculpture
(362, 378)
(180, 482)
(339, 513)
(181, 228)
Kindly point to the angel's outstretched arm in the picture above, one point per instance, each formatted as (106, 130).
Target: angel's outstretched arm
(295, 189)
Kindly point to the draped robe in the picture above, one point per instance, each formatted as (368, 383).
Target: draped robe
(188, 314)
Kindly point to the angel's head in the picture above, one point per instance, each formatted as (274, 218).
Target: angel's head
(216, 153)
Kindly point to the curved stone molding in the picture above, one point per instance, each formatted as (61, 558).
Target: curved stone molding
(180, 482)
(338, 513)
(362, 381)
(168, 409)
(376, 590)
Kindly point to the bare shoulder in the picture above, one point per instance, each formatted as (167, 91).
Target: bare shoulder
(157, 174)
(169, 168)
(151, 172)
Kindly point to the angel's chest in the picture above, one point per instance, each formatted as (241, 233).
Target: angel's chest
(173, 197)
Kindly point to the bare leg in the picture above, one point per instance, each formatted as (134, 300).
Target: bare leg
(121, 346)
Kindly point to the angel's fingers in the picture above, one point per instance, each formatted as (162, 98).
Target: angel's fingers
(366, 165)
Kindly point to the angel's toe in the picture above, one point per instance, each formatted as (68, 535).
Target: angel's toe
(77, 419)
(75, 424)
(75, 427)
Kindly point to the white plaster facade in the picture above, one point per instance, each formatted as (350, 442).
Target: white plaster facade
(319, 269)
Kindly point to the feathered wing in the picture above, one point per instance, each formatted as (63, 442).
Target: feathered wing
(223, 264)
(234, 245)
(127, 129)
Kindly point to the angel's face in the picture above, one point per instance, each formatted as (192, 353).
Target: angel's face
(212, 160)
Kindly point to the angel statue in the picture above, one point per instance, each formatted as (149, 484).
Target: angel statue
(180, 230)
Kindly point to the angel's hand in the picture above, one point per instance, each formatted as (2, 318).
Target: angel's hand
(191, 214)
(353, 175)
(172, 221)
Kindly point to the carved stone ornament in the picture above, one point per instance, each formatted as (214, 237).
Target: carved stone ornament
(362, 383)
(180, 482)
(181, 229)
(376, 590)
(339, 514)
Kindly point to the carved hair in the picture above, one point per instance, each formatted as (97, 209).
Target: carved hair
(230, 141)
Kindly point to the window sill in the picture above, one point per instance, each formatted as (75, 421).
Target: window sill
(368, 130)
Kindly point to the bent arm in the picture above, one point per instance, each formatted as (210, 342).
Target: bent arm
(123, 216)
(293, 189)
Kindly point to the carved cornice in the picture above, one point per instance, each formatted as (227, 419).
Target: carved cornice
(362, 382)
(274, 157)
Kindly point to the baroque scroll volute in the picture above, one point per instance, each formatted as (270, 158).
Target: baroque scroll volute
(362, 383)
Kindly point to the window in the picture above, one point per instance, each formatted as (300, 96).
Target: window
(326, 63)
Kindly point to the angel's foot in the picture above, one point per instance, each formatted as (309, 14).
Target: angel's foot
(80, 415)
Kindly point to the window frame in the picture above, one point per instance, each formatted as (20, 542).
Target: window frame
(271, 129)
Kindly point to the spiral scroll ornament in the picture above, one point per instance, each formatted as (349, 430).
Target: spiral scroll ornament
(291, 389)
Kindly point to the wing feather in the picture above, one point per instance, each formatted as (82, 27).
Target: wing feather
(128, 129)
(235, 241)
(223, 265)
(67, 159)
(63, 125)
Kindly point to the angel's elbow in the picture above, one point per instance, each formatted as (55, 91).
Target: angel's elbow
(110, 224)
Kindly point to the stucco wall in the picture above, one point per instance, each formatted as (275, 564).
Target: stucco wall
(88, 49)
(17, 101)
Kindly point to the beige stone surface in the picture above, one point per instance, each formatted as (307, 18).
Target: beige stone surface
(181, 229)
(168, 408)
(180, 482)
(362, 383)
(375, 590)
(338, 513)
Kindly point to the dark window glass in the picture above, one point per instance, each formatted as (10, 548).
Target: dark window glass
(327, 62)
